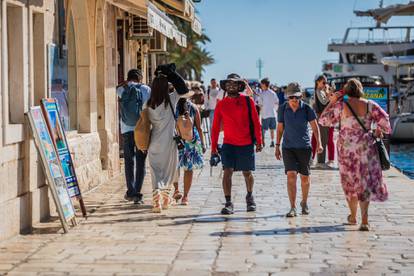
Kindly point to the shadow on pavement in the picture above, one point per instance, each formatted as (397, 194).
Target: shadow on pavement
(212, 219)
(152, 217)
(286, 231)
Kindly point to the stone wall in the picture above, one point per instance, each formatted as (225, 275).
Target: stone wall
(85, 151)
(24, 196)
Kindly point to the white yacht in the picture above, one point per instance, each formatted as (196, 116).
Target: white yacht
(362, 49)
(385, 51)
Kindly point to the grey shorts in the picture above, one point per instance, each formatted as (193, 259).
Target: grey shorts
(297, 160)
(269, 123)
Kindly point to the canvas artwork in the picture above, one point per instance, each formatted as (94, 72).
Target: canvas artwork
(52, 117)
(51, 165)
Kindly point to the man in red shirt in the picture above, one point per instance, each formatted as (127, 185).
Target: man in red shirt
(237, 116)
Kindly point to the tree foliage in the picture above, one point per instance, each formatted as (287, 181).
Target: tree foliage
(192, 60)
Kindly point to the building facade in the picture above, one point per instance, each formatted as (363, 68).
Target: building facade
(77, 51)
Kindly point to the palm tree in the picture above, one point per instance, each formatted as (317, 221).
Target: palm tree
(190, 61)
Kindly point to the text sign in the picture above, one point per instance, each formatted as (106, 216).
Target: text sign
(378, 94)
(51, 164)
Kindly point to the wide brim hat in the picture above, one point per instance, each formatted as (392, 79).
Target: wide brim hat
(233, 77)
(293, 89)
(188, 95)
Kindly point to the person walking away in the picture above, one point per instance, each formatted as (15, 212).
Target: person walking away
(321, 100)
(281, 95)
(162, 151)
(214, 93)
(191, 156)
(268, 101)
(242, 129)
(132, 95)
(359, 164)
(293, 119)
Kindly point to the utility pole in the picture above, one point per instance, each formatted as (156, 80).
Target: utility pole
(260, 65)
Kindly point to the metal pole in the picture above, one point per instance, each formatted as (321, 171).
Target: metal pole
(260, 66)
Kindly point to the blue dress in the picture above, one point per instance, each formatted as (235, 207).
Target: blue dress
(191, 157)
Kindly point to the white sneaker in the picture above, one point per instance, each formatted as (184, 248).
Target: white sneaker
(331, 163)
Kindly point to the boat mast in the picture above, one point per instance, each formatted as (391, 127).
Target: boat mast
(381, 4)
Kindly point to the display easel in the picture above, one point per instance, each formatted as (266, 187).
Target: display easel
(54, 123)
(52, 167)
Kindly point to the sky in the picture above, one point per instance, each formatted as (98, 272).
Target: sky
(290, 36)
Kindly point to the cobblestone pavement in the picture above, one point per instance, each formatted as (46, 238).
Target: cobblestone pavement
(120, 238)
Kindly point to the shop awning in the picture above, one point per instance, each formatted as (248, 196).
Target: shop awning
(160, 21)
(180, 38)
(384, 14)
(137, 7)
(154, 17)
(183, 9)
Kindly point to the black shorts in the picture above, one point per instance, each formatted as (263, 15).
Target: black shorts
(297, 160)
(238, 158)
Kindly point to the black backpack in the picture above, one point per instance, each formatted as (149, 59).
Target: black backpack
(131, 104)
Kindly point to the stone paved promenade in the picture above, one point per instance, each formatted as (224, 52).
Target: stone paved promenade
(122, 239)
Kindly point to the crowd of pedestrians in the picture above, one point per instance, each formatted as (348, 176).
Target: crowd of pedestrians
(168, 116)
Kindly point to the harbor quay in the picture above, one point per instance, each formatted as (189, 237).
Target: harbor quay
(120, 238)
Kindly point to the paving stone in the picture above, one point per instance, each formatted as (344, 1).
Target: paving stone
(120, 238)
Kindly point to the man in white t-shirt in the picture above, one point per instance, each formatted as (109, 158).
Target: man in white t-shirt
(269, 103)
(214, 93)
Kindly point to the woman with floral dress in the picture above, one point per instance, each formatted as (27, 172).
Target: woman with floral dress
(191, 157)
(359, 165)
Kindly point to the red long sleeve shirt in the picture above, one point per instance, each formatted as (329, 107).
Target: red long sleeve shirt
(233, 114)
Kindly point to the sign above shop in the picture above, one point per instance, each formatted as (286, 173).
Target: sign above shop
(196, 26)
(160, 21)
(180, 38)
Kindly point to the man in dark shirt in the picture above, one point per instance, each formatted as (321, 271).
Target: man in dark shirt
(293, 119)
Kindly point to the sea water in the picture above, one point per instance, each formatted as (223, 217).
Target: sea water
(402, 157)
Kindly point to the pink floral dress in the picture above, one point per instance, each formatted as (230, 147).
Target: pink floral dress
(359, 164)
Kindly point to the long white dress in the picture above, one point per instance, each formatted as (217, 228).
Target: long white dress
(162, 151)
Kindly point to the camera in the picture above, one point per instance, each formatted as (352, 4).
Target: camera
(215, 160)
(179, 141)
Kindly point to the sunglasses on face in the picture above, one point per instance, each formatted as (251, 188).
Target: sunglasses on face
(294, 97)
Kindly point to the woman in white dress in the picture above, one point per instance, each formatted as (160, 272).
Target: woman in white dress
(162, 151)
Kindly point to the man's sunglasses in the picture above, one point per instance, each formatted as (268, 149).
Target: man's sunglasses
(294, 97)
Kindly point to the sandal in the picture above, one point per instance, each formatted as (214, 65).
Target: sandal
(177, 195)
(166, 199)
(184, 201)
(351, 222)
(364, 227)
(156, 201)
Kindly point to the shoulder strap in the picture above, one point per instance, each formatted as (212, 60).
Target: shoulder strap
(251, 125)
(172, 109)
(356, 117)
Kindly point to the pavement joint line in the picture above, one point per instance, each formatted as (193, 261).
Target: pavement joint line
(51, 240)
(199, 241)
(25, 259)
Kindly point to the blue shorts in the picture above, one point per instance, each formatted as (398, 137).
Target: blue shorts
(238, 158)
(269, 123)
